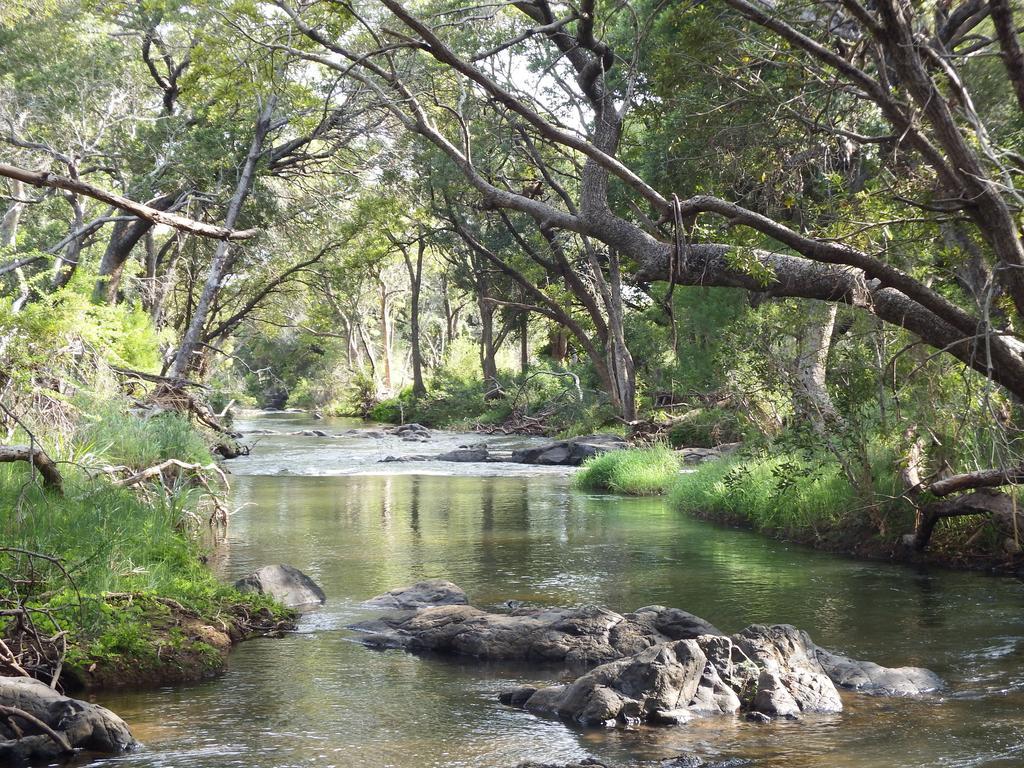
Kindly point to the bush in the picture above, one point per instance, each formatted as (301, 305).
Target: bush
(639, 472)
(705, 428)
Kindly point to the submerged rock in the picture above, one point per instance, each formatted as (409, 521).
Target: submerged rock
(288, 585)
(868, 677)
(430, 592)
(465, 455)
(81, 724)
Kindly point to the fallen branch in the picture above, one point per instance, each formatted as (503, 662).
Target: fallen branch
(984, 502)
(985, 478)
(37, 458)
(183, 223)
(157, 470)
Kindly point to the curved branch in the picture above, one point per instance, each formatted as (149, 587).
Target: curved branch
(185, 224)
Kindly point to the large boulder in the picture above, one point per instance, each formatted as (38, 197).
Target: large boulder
(288, 585)
(410, 430)
(670, 683)
(656, 664)
(422, 594)
(791, 679)
(465, 455)
(81, 724)
(568, 452)
(587, 635)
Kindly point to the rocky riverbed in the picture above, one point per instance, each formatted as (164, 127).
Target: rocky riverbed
(656, 664)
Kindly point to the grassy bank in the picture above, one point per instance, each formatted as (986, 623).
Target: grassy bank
(640, 472)
(120, 570)
(800, 496)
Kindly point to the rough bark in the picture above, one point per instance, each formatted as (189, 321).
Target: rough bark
(123, 238)
(1009, 46)
(415, 269)
(811, 400)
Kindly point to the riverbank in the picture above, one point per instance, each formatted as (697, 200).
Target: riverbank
(104, 578)
(790, 497)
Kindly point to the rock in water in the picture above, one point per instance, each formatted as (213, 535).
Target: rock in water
(868, 677)
(791, 679)
(83, 725)
(656, 664)
(465, 455)
(587, 635)
(288, 585)
(669, 683)
(422, 594)
(568, 452)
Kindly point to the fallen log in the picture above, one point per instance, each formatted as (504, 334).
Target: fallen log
(37, 457)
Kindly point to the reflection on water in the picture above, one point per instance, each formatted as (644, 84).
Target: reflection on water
(317, 699)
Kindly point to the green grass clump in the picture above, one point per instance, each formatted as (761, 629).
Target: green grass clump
(122, 438)
(790, 492)
(639, 472)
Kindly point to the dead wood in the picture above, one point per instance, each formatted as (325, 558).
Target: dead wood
(38, 458)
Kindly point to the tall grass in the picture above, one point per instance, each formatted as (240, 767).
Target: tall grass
(639, 472)
(116, 541)
(108, 430)
(791, 492)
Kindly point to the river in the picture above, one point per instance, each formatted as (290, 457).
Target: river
(506, 532)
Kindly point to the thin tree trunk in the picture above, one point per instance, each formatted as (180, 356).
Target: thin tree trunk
(190, 344)
(67, 263)
(488, 364)
(524, 342)
(622, 368)
(811, 400)
(8, 239)
(415, 282)
(385, 334)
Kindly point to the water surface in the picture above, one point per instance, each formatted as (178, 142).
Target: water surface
(503, 532)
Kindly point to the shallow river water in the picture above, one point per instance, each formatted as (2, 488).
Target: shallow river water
(359, 527)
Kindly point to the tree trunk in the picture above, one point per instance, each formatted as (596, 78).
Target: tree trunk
(385, 335)
(123, 239)
(190, 344)
(621, 361)
(811, 400)
(488, 364)
(67, 263)
(524, 342)
(558, 344)
(8, 239)
(12, 216)
(415, 282)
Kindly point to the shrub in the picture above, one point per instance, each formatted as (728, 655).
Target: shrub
(705, 428)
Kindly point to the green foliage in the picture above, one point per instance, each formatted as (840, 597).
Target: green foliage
(639, 472)
(706, 428)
